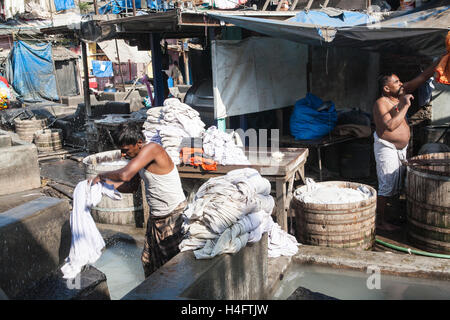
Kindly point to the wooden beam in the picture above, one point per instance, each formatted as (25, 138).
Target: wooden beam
(134, 7)
(95, 7)
(87, 96)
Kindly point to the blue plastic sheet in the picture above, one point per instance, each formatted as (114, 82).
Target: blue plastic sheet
(117, 6)
(102, 69)
(312, 118)
(32, 66)
(64, 4)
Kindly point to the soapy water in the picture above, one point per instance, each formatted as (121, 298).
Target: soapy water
(121, 263)
(353, 285)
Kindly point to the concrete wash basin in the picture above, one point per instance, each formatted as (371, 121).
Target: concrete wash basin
(19, 168)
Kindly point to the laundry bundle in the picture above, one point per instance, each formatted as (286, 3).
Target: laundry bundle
(168, 125)
(325, 194)
(221, 147)
(87, 242)
(230, 211)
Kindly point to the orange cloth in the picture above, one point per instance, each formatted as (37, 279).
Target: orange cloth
(443, 68)
(195, 157)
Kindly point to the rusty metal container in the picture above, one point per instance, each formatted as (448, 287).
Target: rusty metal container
(349, 225)
(27, 128)
(129, 210)
(428, 203)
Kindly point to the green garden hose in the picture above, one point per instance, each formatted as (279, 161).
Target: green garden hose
(422, 253)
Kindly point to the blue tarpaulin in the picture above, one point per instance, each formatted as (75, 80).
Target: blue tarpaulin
(312, 118)
(32, 66)
(102, 69)
(64, 4)
(117, 6)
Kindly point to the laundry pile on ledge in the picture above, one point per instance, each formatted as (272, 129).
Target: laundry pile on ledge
(230, 211)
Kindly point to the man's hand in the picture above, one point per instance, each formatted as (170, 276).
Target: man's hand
(94, 181)
(405, 100)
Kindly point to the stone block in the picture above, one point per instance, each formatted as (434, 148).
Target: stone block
(5, 141)
(90, 284)
(19, 168)
(35, 238)
(238, 276)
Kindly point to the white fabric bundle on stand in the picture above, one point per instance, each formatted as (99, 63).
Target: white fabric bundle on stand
(229, 211)
(87, 242)
(167, 125)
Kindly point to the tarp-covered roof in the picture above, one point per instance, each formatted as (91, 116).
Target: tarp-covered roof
(418, 32)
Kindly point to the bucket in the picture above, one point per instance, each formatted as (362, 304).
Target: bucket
(428, 205)
(349, 225)
(129, 210)
(27, 128)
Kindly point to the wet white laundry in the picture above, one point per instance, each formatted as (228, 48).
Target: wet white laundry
(325, 194)
(229, 211)
(87, 242)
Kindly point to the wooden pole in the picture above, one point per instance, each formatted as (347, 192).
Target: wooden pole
(95, 7)
(120, 65)
(186, 66)
(87, 96)
(134, 7)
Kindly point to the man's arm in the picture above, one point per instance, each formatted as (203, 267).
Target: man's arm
(389, 122)
(412, 85)
(125, 174)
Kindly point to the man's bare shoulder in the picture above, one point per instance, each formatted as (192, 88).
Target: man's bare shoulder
(380, 105)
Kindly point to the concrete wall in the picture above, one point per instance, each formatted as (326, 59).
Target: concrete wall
(35, 238)
(242, 275)
(19, 168)
(346, 76)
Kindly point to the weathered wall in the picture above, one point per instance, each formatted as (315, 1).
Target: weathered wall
(441, 104)
(346, 76)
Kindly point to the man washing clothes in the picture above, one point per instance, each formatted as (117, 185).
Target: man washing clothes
(392, 136)
(163, 191)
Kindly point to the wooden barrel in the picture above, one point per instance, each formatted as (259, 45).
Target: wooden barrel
(349, 225)
(428, 205)
(129, 210)
(43, 140)
(57, 139)
(27, 128)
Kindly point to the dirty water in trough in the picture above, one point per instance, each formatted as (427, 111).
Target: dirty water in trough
(121, 263)
(353, 285)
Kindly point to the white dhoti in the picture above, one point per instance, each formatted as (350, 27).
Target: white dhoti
(390, 171)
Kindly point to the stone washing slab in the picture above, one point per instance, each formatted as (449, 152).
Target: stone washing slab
(35, 239)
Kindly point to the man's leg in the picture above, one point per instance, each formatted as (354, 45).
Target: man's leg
(381, 222)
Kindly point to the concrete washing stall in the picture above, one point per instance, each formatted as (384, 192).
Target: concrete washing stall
(35, 232)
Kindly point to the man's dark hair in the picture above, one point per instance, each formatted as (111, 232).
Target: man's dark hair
(129, 133)
(383, 80)
(175, 63)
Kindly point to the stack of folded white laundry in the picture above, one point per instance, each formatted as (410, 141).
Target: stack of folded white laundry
(228, 212)
(221, 147)
(168, 125)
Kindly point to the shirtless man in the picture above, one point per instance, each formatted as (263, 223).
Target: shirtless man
(392, 136)
(163, 191)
